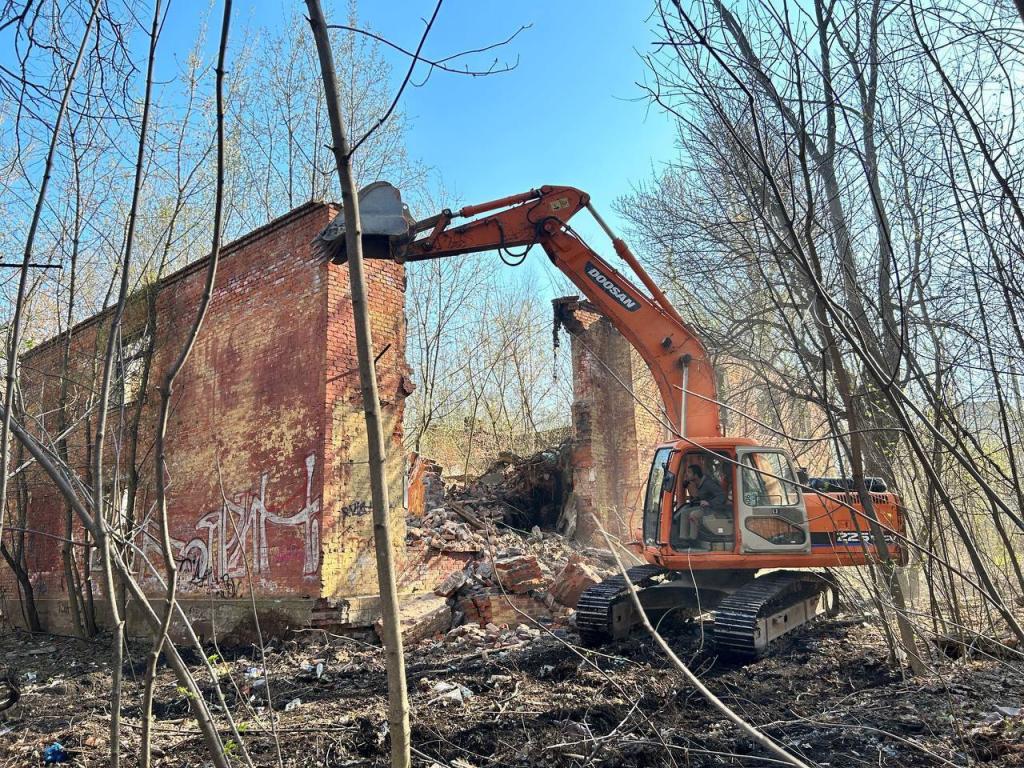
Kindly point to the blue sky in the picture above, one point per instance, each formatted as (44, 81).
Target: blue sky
(570, 113)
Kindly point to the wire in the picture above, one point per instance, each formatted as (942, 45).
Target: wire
(507, 256)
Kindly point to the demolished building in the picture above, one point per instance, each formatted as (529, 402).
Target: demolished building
(268, 483)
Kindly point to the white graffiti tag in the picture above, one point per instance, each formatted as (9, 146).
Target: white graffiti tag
(237, 531)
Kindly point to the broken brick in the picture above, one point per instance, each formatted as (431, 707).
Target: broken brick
(501, 609)
(519, 574)
(568, 585)
(476, 609)
(452, 584)
(510, 609)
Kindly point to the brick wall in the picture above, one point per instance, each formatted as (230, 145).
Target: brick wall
(349, 567)
(617, 419)
(245, 438)
(268, 482)
(607, 476)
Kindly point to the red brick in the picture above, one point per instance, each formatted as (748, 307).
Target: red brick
(519, 574)
(260, 396)
(452, 583)
(569, 584)
(501, 608)
(421, 619)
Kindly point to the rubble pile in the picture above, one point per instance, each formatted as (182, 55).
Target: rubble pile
(516, 493)
(516, 578)
(537, 581)
(446, 529)
(519, 579)
(491, 636)
(527, 491)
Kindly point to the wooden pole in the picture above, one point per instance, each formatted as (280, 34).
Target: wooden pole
(398, 702)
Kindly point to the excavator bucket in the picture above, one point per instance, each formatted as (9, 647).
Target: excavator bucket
(382, 215)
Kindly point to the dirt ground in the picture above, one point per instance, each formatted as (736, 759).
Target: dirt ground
(826, 694)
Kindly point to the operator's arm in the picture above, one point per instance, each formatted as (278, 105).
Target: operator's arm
(709, 494)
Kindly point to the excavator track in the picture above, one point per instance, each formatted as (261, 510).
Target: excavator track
(754, 615)
(594, 609)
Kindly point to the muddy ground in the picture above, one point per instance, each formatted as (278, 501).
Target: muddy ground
(826, 694)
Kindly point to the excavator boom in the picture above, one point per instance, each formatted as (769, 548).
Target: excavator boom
(672, 350)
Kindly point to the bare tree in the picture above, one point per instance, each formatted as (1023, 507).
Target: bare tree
(398, 701)
(489, 379)
(166, 393)
(812, 155)
(14, 334)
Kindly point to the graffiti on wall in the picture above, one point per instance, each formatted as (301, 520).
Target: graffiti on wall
(231, 541)
(356, 509)
(238, 528)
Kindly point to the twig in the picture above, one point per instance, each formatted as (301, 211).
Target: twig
(14, 340)
(442, 63)
(213, 741)
(394, 103)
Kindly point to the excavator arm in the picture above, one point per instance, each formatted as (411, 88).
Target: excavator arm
(675, 355)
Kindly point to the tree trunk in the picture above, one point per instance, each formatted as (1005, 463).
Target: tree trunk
(398, 702)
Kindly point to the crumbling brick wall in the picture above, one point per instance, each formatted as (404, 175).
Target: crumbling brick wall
(245, 438)
(268, 486)
(608, 470)
(349, 568)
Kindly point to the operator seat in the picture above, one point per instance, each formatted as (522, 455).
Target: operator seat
(717, 527)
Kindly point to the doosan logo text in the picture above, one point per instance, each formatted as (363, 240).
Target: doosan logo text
(613, 290)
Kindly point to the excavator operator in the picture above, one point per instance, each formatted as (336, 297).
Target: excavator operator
(706, 497)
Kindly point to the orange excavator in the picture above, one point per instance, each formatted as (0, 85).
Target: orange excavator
(749, 562)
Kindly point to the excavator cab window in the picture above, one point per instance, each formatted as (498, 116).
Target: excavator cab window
(660, 481)
(764, 481)
(773, 508)
(717, 525)
(718, 467)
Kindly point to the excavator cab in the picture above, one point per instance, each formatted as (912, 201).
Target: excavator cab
(762, 505)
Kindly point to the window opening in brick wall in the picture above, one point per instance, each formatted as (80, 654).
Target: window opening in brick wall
(131, 364)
